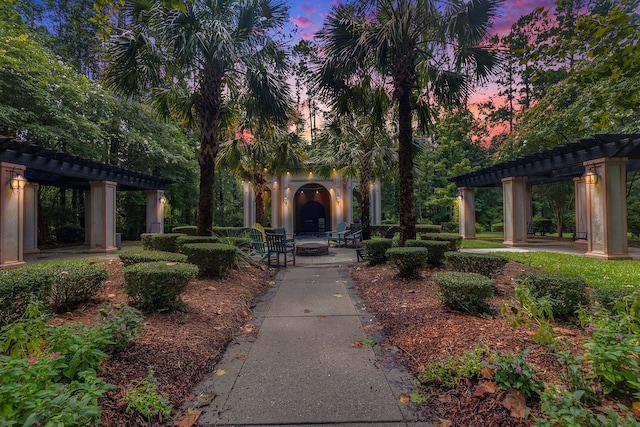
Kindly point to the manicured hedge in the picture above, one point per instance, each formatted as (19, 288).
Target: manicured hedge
(189, 230)
(184, 240)
(76, 284)
(485, 264)
(212, 259)
(156, 285)
(464, 291)
(160, 242)
(408, 261)
(435, 248)
(566, 291)
(376, 250)
(381, 229)
(454, 240)
(18, 286)
(137, 255)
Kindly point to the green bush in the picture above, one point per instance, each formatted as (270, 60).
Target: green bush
(497, 227)
(435, 248)
(566, 291)
(464, 291)
(76, 284)
(18, 287)
(137, 255)
(228, 231)
(544, 226)
(608, 298)
(428, 228)
(408, 261)
(189, 230)
(467, 262)
(160, 242)
(70, 233)
(212, 259)
(380, 229)
(184, 240)
(451, 226)
(156, 285)
(454, 240)
(376, 250)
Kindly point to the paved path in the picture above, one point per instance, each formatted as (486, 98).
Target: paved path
(302, 368)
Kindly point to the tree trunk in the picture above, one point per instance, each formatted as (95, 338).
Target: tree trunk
(405, 161)
(365, 201)
(260, 186)
(209, 109)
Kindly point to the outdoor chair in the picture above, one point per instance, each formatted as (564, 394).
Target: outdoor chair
(259, 226)
(353, 236)
(337, 235)
(258, 245)
(277, 244)
(389, 233)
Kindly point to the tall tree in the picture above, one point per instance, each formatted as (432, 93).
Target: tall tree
(425, 51)
(192, 59)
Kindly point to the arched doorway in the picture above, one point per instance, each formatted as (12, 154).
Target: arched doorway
(312, 209)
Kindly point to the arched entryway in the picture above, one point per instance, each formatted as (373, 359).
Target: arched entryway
(312, 204)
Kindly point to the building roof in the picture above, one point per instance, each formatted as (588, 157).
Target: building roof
(57, 168)
(560, 163)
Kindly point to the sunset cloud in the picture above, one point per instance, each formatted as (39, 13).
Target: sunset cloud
(308, 9)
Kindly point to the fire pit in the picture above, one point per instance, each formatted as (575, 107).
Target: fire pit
(312, 249)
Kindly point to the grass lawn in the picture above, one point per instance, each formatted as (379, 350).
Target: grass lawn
(480, 244)
(598, 273)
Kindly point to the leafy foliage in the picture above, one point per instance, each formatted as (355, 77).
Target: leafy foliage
(18, 287)
(454, 240)
(513, 371)
(156, 285)
(74, 284)
(166, 242)
(136, 255)
(450, 371)
(485, 264)
(464, 291)
(566, 292)
(376, 250)
(212, 259)
(143, 397)
(408, 260)
(436, 250)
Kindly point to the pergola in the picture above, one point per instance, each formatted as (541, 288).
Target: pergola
(598, 166)
(24, 167)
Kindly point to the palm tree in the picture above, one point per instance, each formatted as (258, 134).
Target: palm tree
(190, 61)
(358, 140)
(428, 53)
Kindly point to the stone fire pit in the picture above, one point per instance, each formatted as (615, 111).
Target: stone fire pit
(312, 249)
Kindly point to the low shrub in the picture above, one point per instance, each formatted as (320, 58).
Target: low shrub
(454, 240)
(212, 259)
(227, 231)
(160, 242)
(450, 371)
(464, 291)
(428, 228)
(451, 226)
(120, 325)
(70, 233)
(156, 285)
(544, 226)
(566, 291)
(497, 227)
(513, 371)
(189, 230)
(143, 397)
(435, 248)
(76, 284)
(408, 261)
(381, 229)
(467, 262)
(137, 255)
(608, 298)
(376, 250)
(185, 240)
(18, 287)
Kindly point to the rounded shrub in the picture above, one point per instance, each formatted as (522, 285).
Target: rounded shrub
(76, 284)
(408, 261)
(454, 240)
(160, 242)
(428, 228)
(227, 231)
(566, 291)
(464, 291)
(467, 262)
(18, 286)
(376, 250)
(184, 240)
(212, 259)
(137, 255)
(155, 285)
(497, 227)
(435, 248)
(189, 230)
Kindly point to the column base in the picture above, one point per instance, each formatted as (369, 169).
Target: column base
(611, 257)
(31, 251)
(516, 244)
(10, 264)
(102, 250)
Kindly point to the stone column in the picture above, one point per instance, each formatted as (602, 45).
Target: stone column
(87, 218)
(338, 202)
(249, 204)
(514, 203)
(287, 204)
(12, 185)
(606, 184)
(349, 200)
(467, 203)
(580, 190)
(31, 218)
(276, 203)
(155, 211)
(375, 202)
(103, 216)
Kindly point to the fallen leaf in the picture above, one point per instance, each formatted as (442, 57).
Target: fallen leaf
(188, 420)
(337, 295)
(516, 402)
(205, 399)
(322, 317)
(487, 373)
(635, 408)
(445, 398)
(111, 295)
(404, 398)
(444, 423)
(484, 387)
(241, 356)
(271, 283)
(411, 291)
(356, 344)
(171, 264)
(219, 372)
(372, 327)
(341, 281)
(308, 311)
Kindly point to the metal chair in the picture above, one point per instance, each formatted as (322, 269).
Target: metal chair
(277, 244)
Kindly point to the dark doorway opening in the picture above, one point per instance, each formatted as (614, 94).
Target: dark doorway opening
(312, 210)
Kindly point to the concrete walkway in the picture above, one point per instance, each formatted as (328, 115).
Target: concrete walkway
(301, 367)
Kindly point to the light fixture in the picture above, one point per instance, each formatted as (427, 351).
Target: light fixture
(592, 176)
(17, 182)
(162, 199)
(338, 195)
(460, 194)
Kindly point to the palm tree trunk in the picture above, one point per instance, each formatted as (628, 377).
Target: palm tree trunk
(260, 186)
(365, 201)
(405, 160)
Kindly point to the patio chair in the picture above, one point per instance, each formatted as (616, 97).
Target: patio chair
(277, 245)
(257, 245)
(353, 236)
(337, 235)
(259, 226)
